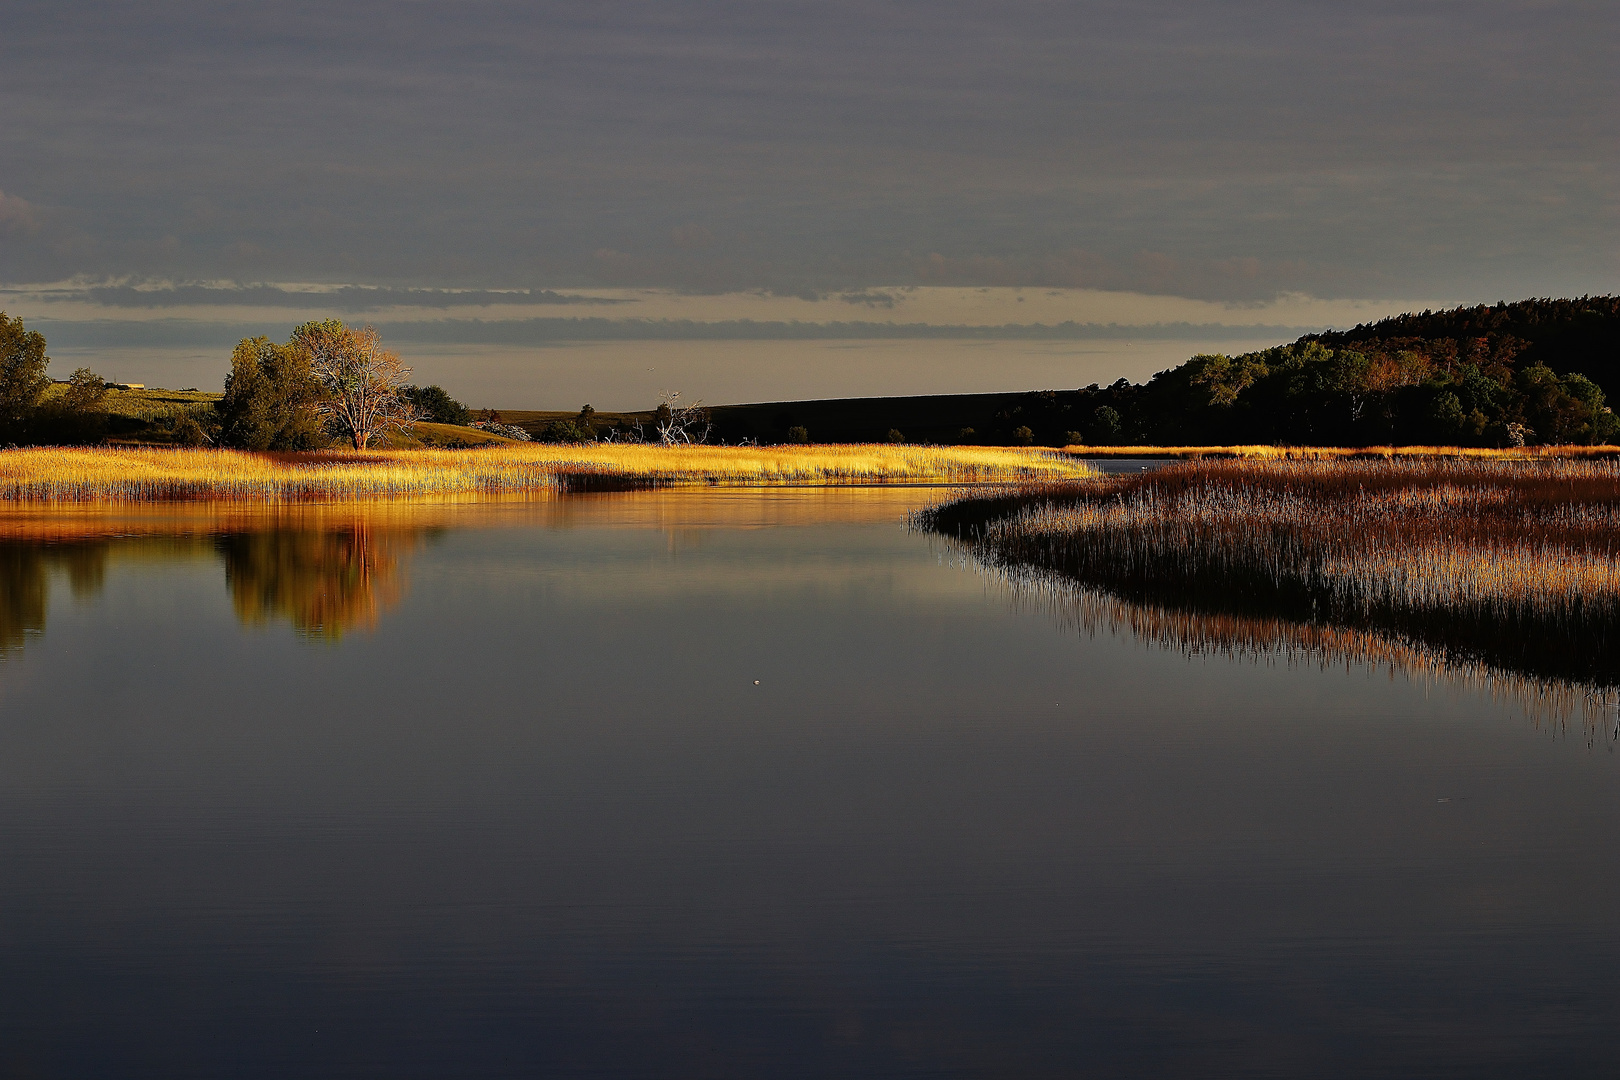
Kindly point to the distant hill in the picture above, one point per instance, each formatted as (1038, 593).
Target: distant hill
(1536, 370)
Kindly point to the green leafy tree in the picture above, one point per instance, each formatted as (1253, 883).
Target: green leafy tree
(434, 403)
(1106, 425)
(76, 415)
(22, 376)
(1447, 415)
(1227, 377)
(271, 399)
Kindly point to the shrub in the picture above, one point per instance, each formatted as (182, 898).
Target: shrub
(894, 436)
(434, 404)
(798, 435)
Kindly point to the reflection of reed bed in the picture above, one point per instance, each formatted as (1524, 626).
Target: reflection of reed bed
(1512, 564)
(123, 474)
(1261, 639)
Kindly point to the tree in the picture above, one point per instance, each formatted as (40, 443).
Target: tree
(270, 400)
(78, 414)
(434, 404)
(798, 434)
(1106, 424)
(679, 424)
(22, 376)
(362, 382)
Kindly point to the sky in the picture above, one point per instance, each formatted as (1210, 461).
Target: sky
(553, 203)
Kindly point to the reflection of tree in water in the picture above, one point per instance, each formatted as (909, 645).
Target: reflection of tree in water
(324, 581)
(25, 570)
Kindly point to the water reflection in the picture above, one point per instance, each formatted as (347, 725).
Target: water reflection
(328, 569)
(323, 582)
(325, 571)
(1205, 630)
(25, 571)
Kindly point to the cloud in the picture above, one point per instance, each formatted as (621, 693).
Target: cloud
(18, 216)
(355, 298)
(872, 298)
(1352, 148)
(691, 237)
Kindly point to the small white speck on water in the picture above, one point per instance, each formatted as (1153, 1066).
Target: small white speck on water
(756, 682)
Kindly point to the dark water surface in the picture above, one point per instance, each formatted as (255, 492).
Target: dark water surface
(492, 791)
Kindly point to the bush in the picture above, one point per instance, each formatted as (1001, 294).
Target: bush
(895, 436)
(1023, 436)
(435, 405)
(798, 435)
(566, 431)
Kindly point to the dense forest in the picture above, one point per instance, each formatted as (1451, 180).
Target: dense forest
(1537, 371)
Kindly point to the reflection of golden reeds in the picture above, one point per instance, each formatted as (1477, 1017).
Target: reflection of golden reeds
(78, 474)
(1513, 564)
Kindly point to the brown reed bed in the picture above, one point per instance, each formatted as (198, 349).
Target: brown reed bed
(1513, 565)
(1270, 452)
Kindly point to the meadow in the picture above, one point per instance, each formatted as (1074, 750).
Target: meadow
(1514, 564)
(65, 474)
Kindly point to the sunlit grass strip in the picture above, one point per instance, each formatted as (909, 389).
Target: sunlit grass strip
(147, 474)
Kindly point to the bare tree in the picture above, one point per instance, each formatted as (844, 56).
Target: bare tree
(679, 424)
(362, 381)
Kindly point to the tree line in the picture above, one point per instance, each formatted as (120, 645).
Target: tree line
(327, 382)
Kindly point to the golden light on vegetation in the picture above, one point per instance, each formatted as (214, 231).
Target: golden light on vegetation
(1269, 452)
(139, 474)
(1511, 564)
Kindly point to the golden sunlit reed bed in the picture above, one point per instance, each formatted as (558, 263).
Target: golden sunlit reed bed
(1511, 563)
(139, 474)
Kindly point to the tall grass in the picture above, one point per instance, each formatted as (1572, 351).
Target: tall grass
(1270, 452)
(1511, 564)
(139, 474)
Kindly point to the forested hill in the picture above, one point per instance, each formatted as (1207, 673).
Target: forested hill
(1536, 371)
(1581, 335)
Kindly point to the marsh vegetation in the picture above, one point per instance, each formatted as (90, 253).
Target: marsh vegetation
(1506, 565)
(139, 474)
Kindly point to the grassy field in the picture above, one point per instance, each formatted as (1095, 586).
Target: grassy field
(146, 473)
(1511, 563)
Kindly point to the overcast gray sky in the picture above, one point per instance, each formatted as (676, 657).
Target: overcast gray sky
(1448, 150)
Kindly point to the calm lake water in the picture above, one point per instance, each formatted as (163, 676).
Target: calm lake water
(739, 785)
